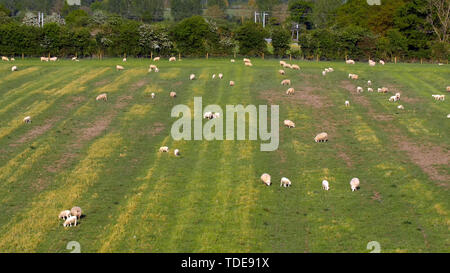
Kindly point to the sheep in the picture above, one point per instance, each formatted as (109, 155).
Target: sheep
(322, 137)
(372, 63)
(369, 89)
(153, 95)
(327, 70)
(124, 59)
(393, 98)
(246, 60)
(44, 59)
(4, 58)
(164, 149)
(289, 123)
(284, 182)
(290, 91)
(27, 119)
(265, 178)
(213, 76)
(369, 83)
(400, 107)
(286, 65)
(381, 62)
(354, 77)
(347, 103)
(397, 95)
(354, 184)
(331, 69)
(153, 67)
(282, 63)
(281, 71)
(216, 115)
(324, 73)
(208, 115)
(383, 90)
(64, 214)
(76, 211)
(53, 59)
(102, 97)
(248, 64)
(69, 221)
(74, 58)
(191, 77)
(296, 67)
(14, 68)
(286, 82)
(359, 89)
(12, 59)
(448, 88)
(232, 60)
(220, 75)
(119, 67)
(350, 62)
(448, 116)
(231, 83)
(172, 59)
(325, 185)
(176, 152)
(156, 59)
(173, 94)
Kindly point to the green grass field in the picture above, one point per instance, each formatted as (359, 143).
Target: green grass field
(103, 157)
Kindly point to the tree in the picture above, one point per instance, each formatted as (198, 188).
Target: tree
(300, 12)
(215, 12)
(250, 37)
(280, 40)
(77, 18)
(182, 9)
(438, 17)
(191, 35)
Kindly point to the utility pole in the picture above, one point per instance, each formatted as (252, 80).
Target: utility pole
(264, 18)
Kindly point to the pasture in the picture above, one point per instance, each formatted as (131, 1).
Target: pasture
(103, 157)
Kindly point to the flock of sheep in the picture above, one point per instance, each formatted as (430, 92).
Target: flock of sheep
(70, 217)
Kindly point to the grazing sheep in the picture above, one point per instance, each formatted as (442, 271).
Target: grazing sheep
(281, 71)
(327, 70)
(173, 94)
(220, 75)
(191, 77)
(324, 73)
(322, 137)
(286, 65)
(216, 115)
(347, 103)
(290, 91)
(359, 89)
(232, 60)
(372, 63)
(439, 97)
(381, 62)
(354, 184)
(152, 67)
(400, 107)
(296, 67)
(286, 82)
(164, 149)
(153, 95)
(12, 59)
(14, 68)
(383, 90)
(53, 59)
(246, 60)
(330, 69)
(350, 62)
(172, 59)
(208, 115)
(325, 185)
(5, 59)
(393, 99)
(64, 214)
(124, 59)
(285, 182)
(265, 178)
(69, 221)
(369, 83)
(289, 123)
(76, 211)
(213, 76)
(74, 58)
(282, 63)
(119, 67)
(102, 97)
(156, 59)
(44, 59)
(27, 119)
(369, 89)
(176, 152)
(354, 77)
(448, 88)
(231, 83)
(448, 116)
(248, 64)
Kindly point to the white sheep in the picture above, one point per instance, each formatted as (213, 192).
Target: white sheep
(76, 211)
(448, 88)
(327, 70)
(12, 59)
(350, 62)
(152, 67)
(359, 89)
(53, 59)
(102, 97)
(354, 184)
(172, 59)
(119, 67)
(213, 76)
(14, 68)
(191, 77)
(232, 60)
(290, 91)
(208, 115)
(286, 82)
(296, 67)
(369, 83)
(324, 73)
(289, 123)
(27, 119)
(64, 214)
(284, 182)
(322, 137)
(173, 94)
(265, 178)
(124, 59)
(330, 69)
(153, 95)
(325, 185)
(74, 58)
(400, 107)
(286, 65)
(44, 59)
(246, 60)
(164, 149)
(231, 83)
(216, 115)
(69, 221)
(156, 59)
(393, 98)
(176, 152)
(354, 77)
(372, 63)
(4, 58)
(381, 62)
(369, 89)
(248, 64)
(281, 71)
(347, 103)
(282, 63)
(220, 75)
(448, 116)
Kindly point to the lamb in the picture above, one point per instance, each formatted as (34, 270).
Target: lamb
(213, 76)
(12, 59)
(359, 89)
(4, 58)
(119, 67)
(220, 75)
(156, 59)
(286, 82)
(347, 103)
(369, 83)
(153, 95)
(74, 58)
(27, 119)
(383, 90)
(381, 62)
(153, 67)
(393, 98)
(324, 73)
(164, 149)
(290, 91)
(76, 211)
(296, 67)
(350, 62)
(69, 221)
(14, 68)
(44, 59)
(176, 152)
(53, 59)
(246, 60)
(281, 71)
(172, 59)
(208, 115)
(354, 184)
(102, 97)
(448, 88)
(289, 123)
(231, 83)
(354, 77)
(322, 137)
(191, 77)
(232, 60)
(325, 185)
(173, 94)
(372, 63)
(448, 116)
(400, 107)
(286, 65)
(285, 182)
(265, 178)
(327, 70)
(397, 95)
(64, 214)
(331, 69)
(248, 64)
(282, 63)
(124, 59)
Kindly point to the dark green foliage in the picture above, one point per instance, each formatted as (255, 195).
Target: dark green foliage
(191, 35)
(281, 39)
(250, 38)
(182, 9)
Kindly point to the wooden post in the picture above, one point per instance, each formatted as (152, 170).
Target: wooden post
(22, 56)
(290, 57)
(235, 55)
(263, 56)
(207, 55)
(179, 56)
(395, 59)
(151, 55)
(421, 61)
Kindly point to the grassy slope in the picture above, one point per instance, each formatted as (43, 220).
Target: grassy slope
(102, 157)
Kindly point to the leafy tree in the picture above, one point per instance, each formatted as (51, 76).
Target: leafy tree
(280, 40)
(300, 12)
(182, 9)
(250, 37)
(77, 18)
(191, 35)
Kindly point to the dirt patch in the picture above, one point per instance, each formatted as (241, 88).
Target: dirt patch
(101, 83)
(346, 159)
(303, 95)
(39, 184)
(36, 132)
(138, 84)
(376, 196)
(61, 163)
(157, 127)
(355, 96)
(427, 157)
(381, 117)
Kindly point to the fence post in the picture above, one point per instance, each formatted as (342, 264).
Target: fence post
(151, 55)
(290, 57)
(179, 56)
